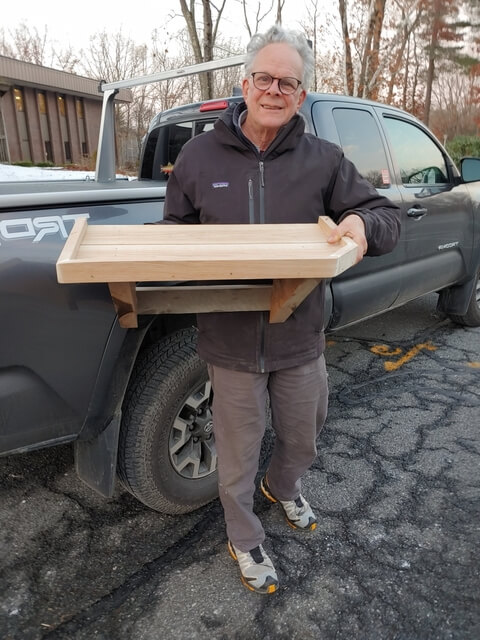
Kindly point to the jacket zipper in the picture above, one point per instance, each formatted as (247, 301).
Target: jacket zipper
(251, 210)
(262, 342)
(262, 193)
(262, 221)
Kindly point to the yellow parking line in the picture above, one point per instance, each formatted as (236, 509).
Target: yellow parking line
(390, 365)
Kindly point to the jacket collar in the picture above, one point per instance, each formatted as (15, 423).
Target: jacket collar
(229, 130)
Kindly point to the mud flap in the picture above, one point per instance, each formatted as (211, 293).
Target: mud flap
(455, 300)
(96, 459)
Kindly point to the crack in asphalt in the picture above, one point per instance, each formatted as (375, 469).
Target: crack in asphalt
(394, 557)
(151, 570)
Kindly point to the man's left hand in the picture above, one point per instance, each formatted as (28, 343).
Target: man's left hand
(353, 227)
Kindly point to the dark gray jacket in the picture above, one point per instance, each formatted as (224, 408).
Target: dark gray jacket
(221, 178)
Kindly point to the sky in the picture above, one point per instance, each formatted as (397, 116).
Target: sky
(87, 17)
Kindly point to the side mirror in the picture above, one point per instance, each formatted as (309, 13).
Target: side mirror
(470, 169)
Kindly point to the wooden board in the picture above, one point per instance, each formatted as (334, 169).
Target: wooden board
(294, 256)
(134, 253)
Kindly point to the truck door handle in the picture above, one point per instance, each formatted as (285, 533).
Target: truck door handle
(417, 212)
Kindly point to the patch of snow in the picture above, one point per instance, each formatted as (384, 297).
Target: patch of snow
(14, 173)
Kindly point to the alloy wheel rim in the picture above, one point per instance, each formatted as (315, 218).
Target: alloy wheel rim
(191, 443)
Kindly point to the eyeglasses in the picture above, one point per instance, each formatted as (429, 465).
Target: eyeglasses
(264, 81)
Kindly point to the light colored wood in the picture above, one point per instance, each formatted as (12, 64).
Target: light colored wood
(139, 253)
(201, 234)
(75, 239)
(124, 298)
(203, 299)
(327, 225)
(287, 295)
(294, 256)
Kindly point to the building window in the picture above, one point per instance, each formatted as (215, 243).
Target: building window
(81, 126)
(48, 150)
(4, 151)
(61, 106)
(64, 127)
(19, 104)
(42, 103)
(79, 107)
(44, 126)
(22, 127)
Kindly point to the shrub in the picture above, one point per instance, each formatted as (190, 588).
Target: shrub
(462, 146)
(23, 163)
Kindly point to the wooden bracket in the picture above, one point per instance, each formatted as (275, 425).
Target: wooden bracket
(292, 257)
(287, 295)
(124, 297)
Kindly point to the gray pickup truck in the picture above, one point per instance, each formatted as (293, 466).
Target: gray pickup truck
(136, 403)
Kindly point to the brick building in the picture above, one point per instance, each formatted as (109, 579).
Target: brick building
(47, 114)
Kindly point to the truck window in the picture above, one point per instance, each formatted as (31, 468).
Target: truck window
(419, 159)
(171, 139)
(203, 125)
(179, 134)
(362, 144)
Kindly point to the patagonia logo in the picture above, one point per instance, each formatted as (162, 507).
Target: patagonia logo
(220, 185)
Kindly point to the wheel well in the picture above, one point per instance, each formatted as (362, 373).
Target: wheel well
(163, 325)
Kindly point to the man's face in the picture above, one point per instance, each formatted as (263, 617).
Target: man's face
(270, 109)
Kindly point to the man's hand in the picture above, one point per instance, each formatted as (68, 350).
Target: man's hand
(353, 227)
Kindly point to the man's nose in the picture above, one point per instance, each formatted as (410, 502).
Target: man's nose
(275, 86)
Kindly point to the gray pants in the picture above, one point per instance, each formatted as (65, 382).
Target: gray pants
(298, 400)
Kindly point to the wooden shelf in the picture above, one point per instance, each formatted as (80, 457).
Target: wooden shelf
(294, 256)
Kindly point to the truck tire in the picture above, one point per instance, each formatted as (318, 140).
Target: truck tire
(166, 453)
(472, 316)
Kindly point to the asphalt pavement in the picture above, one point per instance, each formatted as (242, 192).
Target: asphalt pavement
(396, 487)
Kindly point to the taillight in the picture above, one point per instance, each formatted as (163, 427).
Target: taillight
(214, 105)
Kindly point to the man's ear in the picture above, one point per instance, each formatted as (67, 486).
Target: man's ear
(245, 87)
(301, 99)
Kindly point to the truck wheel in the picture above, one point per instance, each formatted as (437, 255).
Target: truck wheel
(167, 455)
(472, 315)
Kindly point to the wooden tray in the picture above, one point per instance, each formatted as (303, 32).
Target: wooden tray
(294, 256)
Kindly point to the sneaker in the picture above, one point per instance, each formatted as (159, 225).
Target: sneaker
(257, 570)
(298, 512)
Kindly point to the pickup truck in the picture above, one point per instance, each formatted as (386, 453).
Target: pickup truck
(136, 402)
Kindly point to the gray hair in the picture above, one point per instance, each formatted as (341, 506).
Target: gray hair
(295, 39)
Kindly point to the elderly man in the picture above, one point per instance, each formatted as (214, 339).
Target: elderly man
(259, 166)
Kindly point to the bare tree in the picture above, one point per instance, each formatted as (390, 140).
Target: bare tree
(443, 30)
(349, 85)
(280, 5)
(260, 14)
(168, 93)
(455, 100)
(316, 31)
(66, 59)
(117, 57)
(203, 36)
(25, 43)
(406, 14)
(367, 87)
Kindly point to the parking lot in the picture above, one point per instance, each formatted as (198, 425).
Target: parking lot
(396, 487)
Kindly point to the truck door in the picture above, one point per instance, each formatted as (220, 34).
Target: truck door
(437, 211)
(373, 285)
